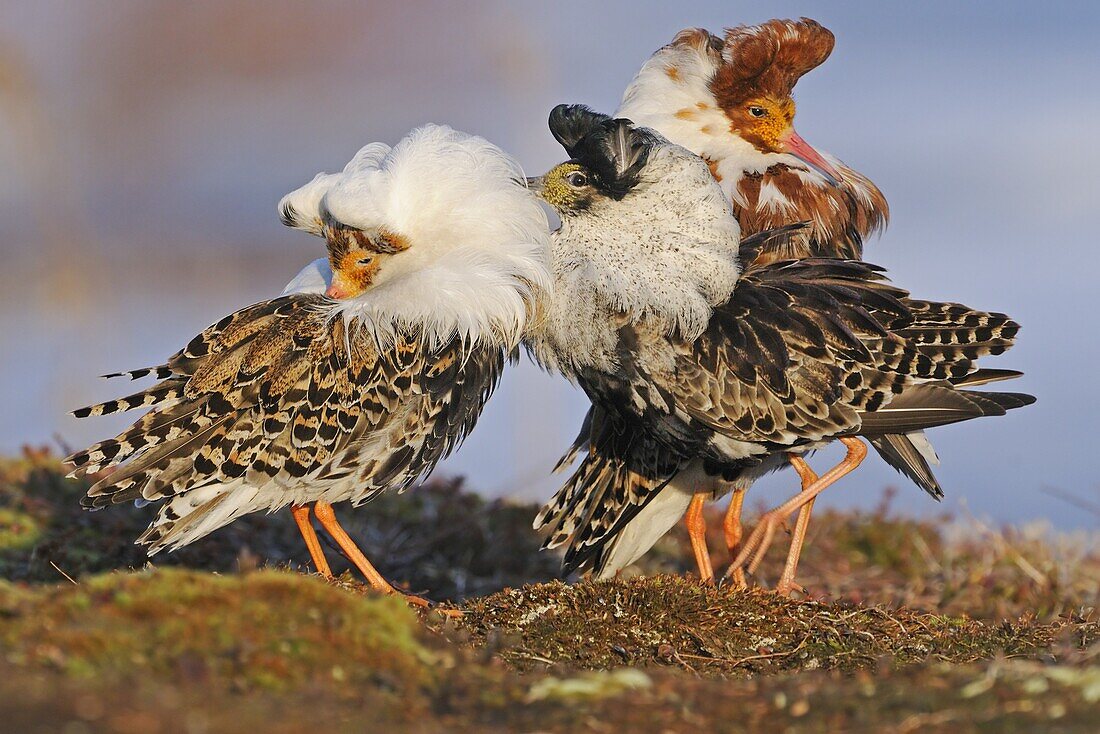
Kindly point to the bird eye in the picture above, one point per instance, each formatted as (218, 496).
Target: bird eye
(576, 179)
(364, 261)
(757, 111)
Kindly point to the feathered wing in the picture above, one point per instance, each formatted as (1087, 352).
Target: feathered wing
(818, 348)
(802, 351)
(281, 396)
(797, 353)
(934, 328)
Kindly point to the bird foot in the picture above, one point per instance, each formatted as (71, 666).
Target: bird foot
(420, 602)
(735, 576)
(784, 588)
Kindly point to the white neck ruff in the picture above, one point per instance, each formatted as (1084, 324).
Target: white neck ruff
(479, 241)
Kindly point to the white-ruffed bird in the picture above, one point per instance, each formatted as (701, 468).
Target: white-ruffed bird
(361, 381)
(730, 100)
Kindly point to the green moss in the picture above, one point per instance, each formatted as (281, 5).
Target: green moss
(267, 629)
(589, 686)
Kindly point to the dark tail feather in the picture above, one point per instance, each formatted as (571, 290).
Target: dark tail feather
(580, 443)
(780, 243)
(927, 406)
(898, 451)
(160, 393)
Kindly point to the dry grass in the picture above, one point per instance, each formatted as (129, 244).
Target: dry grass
(437, 539)
(948, 565)
(672, 620)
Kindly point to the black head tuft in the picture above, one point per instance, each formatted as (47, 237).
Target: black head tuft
(569, 123)
(612, 149)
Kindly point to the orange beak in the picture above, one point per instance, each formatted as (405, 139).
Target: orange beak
(793, 144)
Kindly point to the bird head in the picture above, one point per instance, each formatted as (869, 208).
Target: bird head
(356, 255)
(730, 99)
(437, 234)
(353, 272)
(754, 83)
(607, 158)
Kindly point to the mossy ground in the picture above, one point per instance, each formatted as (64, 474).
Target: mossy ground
(266, 630)
(908, 628)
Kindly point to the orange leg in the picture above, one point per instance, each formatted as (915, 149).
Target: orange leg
(313, 543)
(328, 521)
(697, 532)
(786, 581)
(731, 528)
(760, 539)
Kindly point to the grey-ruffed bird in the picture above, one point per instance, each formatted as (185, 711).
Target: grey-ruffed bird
(703, 375)
(730, 100)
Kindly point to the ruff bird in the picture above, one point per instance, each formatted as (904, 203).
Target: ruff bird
(363, 378)
(701, 373)
(730, 100)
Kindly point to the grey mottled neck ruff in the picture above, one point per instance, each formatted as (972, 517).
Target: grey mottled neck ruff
(665, 254)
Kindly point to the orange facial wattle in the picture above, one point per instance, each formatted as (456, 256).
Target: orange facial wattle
(768, 124)
(763, 131)
(353, 274)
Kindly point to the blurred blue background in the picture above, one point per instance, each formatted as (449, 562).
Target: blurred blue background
(143, 146)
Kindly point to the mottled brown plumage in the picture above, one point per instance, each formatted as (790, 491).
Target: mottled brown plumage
(842, 217)
(281, 391)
